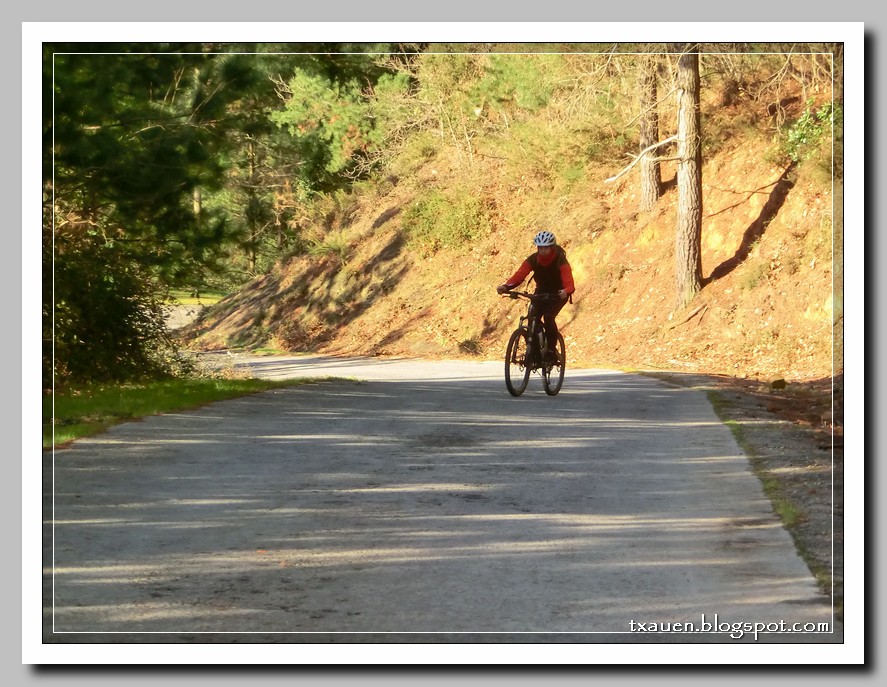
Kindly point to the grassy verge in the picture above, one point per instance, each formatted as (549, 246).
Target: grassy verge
(85, 411)
(788, 512)
(184, 297)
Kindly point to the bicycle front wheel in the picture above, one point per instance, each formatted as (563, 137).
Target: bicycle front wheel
(517, 362)
(553, 370)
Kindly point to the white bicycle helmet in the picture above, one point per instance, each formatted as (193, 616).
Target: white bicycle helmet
(544, 238)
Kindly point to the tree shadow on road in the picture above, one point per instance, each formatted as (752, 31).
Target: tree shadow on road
(373, 511)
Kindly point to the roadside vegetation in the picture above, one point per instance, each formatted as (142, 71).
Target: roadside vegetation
(83, 411)
(194, 297)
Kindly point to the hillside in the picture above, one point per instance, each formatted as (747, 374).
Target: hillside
(765, 313)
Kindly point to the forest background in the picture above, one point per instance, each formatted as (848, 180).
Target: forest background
(360, 198)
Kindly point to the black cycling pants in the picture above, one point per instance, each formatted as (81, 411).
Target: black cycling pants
(548, 310)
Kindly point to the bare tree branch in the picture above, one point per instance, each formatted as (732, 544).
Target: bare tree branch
(640, 157)
(652, 107)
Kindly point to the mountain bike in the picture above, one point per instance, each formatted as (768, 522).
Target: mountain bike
(528, 350)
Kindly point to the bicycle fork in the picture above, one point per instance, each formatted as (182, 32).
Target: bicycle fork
(538, 345)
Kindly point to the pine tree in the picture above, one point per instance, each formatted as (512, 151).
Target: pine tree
(688, 237)
(651, 175)
(128, 139)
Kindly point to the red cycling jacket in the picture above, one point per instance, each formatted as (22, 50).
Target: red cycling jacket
(552, 272)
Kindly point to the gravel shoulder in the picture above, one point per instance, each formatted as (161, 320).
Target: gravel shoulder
(793, 436)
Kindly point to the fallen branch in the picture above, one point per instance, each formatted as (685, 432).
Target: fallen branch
(696, 311)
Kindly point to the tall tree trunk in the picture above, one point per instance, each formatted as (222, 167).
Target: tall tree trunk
(252, 209)
(197, 202)
(688, 237)
(651, 175)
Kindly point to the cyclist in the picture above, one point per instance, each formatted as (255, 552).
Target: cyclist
(552, 273)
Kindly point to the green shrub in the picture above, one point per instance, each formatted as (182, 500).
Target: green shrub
(527, 81)
(418, 149)
(806, 135)
(335, 245)
(103, 316)
(445, 219)
(753, 275)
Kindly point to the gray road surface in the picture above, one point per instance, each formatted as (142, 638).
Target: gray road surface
(423, 503)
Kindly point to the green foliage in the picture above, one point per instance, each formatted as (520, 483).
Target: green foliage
(127, 141)
(838, 143)
(392, 107)
(527, 81)
(103, 319)
(334, 245)
(811, 128)
(553, 156)
(447, 74)
(329, 120)
(418, 149)
(447, 218)
(89, 409)
(324, 212)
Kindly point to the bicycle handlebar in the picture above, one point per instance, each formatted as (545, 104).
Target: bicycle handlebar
(532, 296)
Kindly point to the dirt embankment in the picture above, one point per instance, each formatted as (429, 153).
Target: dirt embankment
(770, 309)
(767, 310)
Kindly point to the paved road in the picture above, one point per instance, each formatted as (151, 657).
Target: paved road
(423, 499)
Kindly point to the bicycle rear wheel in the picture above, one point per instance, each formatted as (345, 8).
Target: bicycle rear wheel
(553, 371)
(517, 362)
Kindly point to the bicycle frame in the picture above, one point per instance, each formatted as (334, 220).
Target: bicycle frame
(524, 353)
(532, 322)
